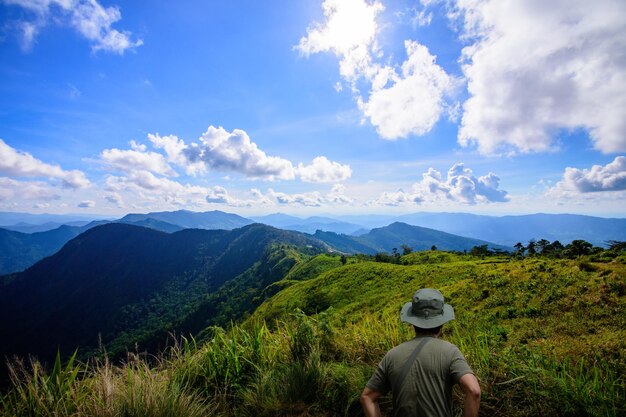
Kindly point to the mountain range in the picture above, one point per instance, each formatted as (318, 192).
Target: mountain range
(19, 250)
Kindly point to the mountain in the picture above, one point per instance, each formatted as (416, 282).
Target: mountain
(34, 228)
(508, 230)
(20, 250)
(8, 218)
(192, 220)
(309, 225)
(279, 220)
(130, 285)
(385, 239)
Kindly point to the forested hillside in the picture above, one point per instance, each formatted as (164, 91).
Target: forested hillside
(127, 286)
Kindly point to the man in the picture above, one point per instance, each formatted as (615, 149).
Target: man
(420, 373)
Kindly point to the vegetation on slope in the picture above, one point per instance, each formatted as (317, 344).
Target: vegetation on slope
(123, 285)
(544, 336)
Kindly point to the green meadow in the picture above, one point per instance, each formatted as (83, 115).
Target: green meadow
(544, 336)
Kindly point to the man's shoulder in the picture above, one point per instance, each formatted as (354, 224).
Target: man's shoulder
(433, 343)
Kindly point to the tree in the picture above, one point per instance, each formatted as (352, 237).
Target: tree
(343, 259)
(542, 244)
(433, 247)
(406, 249)
(577, 248)
(481, 251)
(616, 245)
(519, 249)
(531, 247)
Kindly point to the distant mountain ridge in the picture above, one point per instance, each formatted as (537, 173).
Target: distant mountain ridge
(210, 220)
(508, 230)
(21, 250)
(385, 239)
(310, 224)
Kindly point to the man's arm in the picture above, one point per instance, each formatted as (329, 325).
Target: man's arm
(469, 384)
(369, 401)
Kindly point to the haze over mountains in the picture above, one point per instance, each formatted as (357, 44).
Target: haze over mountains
(19, 250)
(128, 283)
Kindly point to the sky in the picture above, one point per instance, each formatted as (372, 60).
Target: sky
(313, 107)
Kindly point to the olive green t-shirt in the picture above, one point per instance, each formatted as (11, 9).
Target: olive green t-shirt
(427, 389)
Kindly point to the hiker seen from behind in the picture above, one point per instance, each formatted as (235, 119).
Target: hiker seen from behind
(421, 373)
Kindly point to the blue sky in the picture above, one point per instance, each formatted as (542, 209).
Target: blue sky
(313, 107)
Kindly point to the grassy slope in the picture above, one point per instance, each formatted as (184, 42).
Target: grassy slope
(563, 317)
(545, 337)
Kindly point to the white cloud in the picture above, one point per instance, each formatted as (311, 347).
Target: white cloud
(22, 164)
(607, 178)
(220, 150)
(86, 204)
(414, 101)
(323, 170)
(537, 66)
(460, 186)
(234, 151)
(137, 159)
(88, 17)
(396, 198)
(402, 101)
(349, 32)
(219, 195)
(11, 190)
(312, 199)
(150, 188)
(174, 148)
(336, 196)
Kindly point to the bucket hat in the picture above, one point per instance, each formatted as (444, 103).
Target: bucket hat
(427, 309)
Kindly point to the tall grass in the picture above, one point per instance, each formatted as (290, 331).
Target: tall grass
(302, 368)
(317, 365)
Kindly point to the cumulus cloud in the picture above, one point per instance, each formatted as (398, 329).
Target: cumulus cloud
(533, 67)
(22, 164)
(336, 196)
(137, 158)
(323, 170)
(11, 190)
(396, 198)
(460, 186)
(175, 150)
(312, 199)
(154, 189)
(88, 17)
(220, 150)
(349, 32)
(414, 100)
(402, 101)
(234, 151)
(219, 195)
(608, 178)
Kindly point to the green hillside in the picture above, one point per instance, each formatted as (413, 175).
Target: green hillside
(544, 336)
(120, 286)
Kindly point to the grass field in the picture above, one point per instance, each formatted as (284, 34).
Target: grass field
(544, 337)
